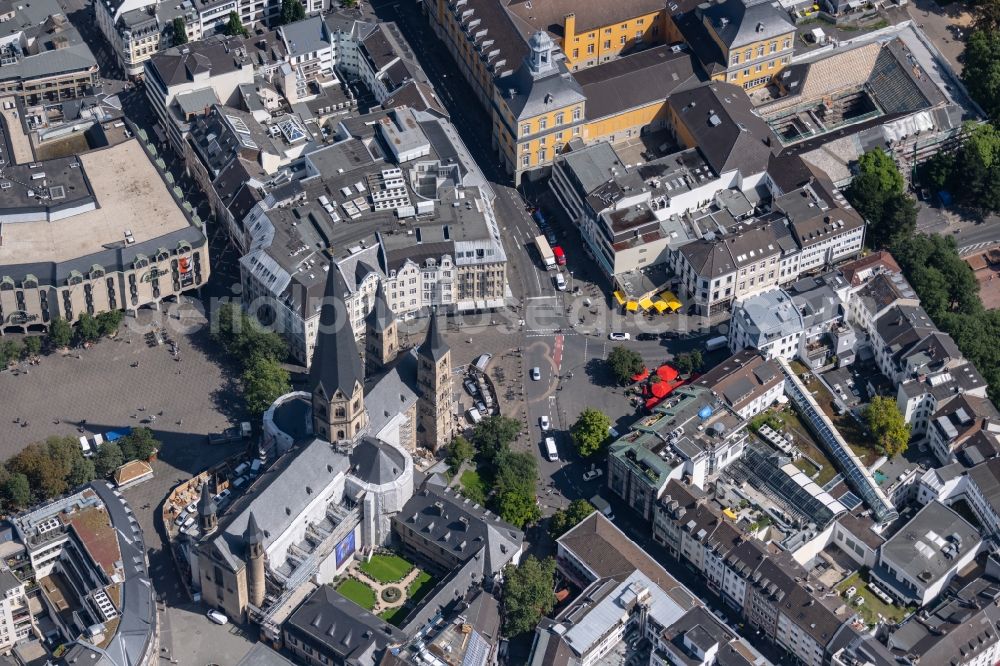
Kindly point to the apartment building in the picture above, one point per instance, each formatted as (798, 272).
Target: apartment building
(186, 81)
(763, 585)
(139, 29)
(743, 43)
(15, 616)
(806, 322)
(747, 381)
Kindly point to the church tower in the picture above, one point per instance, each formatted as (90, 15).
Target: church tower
(207, 509)
(381, 335)
(253, 538)
(336, 378)
(435, 404)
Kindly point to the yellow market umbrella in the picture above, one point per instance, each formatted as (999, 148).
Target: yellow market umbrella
(631, 306)
(646, 303)
(620, 297)
(660, 306)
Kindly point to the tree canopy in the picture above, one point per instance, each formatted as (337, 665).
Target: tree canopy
(291, 11)
(590, 431)
(492, 435)
(60, 332)
(887, 425)
(528, 594)
(877, 192)
(459, 451)
(971, 173)
(264, 381)
(138, 444)
(624, 363)
(981, 69)
(564, 520)
(515, 482)
(689, 362)
(180, 31)
(109, 458)
(234, 27)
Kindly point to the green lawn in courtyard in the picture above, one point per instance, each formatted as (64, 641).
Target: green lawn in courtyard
(420, 586)
(386, 568)
(358, 592)
(393, 615)
(473, 486)
(873, 606)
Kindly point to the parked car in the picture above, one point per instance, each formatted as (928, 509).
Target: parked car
(619, 336)
(592, 474)
(470, 387)
(543, 422)
(536, 373)
(217, 617)
(647, 336)
(217, 438)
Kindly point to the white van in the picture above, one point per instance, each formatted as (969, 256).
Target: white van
(550, 449)
(560, 282)
(474, 415)
(717, 342)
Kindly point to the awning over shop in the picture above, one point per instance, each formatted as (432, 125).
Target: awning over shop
(671, 300)
(666, 373)
(620, 297)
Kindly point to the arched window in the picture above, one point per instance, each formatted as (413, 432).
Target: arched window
(340, 434)
(341, 412)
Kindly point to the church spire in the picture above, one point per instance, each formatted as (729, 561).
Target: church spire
(433, 346)
(336, 378)
(336, 365)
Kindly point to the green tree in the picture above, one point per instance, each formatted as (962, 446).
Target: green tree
(88, 328)
(10, 351)
(689, 362)
(65, 452)
(82, 472)
(518, 508)
(32, 345)
(242, 336)
(60, 332)
(17, 490)
(180, 31)
(515, 482)
(492, 435)
(886, 423)
(981, 69)
(264, 380)
(874, 191)
(110, 321)
(566, 519)
(292, 11)
(141, 444)
(234, 27)
(528, 594)
(624, 363)
(986, 14)
(108, 459)
(459, 451)
(590, 431)
(46, 474)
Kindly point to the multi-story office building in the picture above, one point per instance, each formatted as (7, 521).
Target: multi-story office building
(92, 233)
(15, 615)
(397, 200)
(692, 433)
(45, 60)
